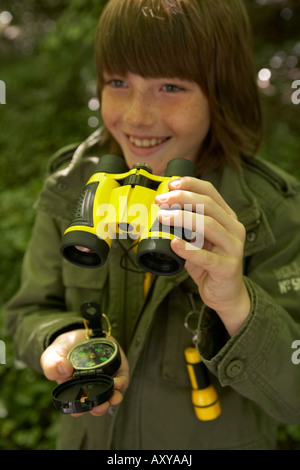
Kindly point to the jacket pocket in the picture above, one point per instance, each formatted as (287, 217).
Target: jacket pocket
(83, 285)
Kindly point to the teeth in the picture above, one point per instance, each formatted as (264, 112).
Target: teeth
(146, 142)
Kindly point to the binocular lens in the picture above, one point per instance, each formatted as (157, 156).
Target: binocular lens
(93, 253)
(159, 263)
(82, 258)
(157, 256)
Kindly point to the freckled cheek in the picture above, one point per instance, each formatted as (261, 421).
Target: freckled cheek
(199, 123)
(170, 119)
(111, 114)
(188, 120)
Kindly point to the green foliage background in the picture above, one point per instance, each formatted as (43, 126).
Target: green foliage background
(47, 64)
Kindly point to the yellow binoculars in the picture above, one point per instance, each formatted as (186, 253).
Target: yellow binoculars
(117, 202)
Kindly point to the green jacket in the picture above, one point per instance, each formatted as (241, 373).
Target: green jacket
(257, 381)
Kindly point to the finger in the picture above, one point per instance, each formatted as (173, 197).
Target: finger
(116, 398)
(203, 228)
(99, 410)
(121, 377)
(102, 409)
(218, 265)
(198, 203)
(121, 383)
(192, 202)
(203, 187)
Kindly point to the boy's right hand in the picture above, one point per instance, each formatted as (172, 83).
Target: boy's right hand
(56, 366)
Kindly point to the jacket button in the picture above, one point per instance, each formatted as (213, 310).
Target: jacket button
(235, 368)
(61, 186)
(251, 236)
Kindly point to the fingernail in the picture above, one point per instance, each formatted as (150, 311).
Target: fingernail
(165, 214)
(179, 243)
(175, 183)
(162, 197)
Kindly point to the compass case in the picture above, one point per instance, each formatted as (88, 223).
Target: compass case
(82, 393)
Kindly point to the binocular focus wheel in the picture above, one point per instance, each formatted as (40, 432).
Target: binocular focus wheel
(95, 258)
(157, 257)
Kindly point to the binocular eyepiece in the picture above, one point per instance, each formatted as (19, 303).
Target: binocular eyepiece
(108, 207)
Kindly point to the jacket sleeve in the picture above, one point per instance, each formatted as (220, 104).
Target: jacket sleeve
(259, 361)
(38, 310)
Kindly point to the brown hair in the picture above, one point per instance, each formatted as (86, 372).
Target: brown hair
(206, 41)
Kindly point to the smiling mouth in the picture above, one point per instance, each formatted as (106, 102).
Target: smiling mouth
(146, 143)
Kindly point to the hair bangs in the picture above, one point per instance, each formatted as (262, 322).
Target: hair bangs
(154, 40)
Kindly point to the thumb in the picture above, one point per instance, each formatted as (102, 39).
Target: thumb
(55, 364)
(54, 361)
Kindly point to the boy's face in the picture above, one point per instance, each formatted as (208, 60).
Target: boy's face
(155, 120)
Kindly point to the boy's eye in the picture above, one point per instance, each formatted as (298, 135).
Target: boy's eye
(116, 83)
(169, 88)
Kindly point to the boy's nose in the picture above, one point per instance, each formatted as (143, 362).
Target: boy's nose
(139, 112)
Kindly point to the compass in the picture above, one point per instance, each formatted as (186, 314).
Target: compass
(98, 353)
(95, 361)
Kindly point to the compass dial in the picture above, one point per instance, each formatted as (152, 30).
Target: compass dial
(92, 354)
